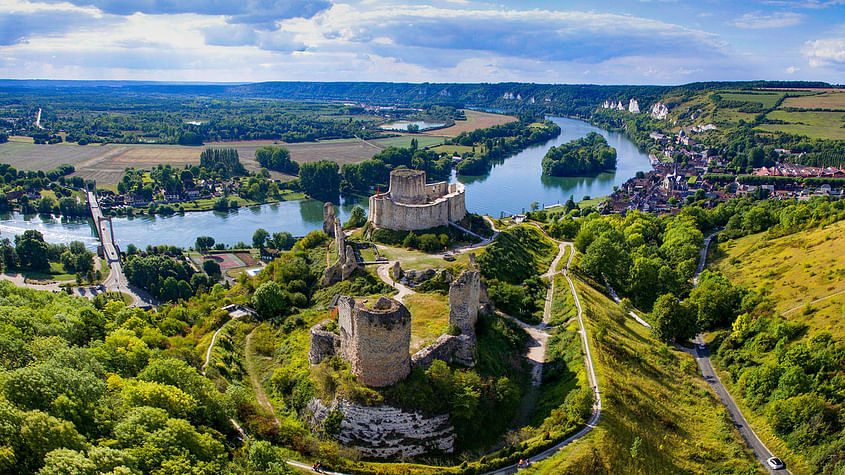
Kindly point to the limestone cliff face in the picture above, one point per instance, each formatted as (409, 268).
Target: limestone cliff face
(386, 431)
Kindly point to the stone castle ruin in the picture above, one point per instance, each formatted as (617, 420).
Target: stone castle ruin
(346, 263)
(411, 204)
(374, 341)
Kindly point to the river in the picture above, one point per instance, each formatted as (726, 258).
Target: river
(509, 187)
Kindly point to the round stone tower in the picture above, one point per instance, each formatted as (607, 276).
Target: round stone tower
(375, 341)
(407, 186)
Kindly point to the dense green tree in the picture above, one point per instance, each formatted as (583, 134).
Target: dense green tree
(203, 243)
(32, 250)
(357, 218)
(270, 300)
(320, 179)
(672, 320)
(259, 238)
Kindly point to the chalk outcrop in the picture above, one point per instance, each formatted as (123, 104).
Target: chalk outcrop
(659, 111)
(386, 431)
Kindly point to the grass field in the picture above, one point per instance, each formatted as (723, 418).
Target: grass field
(429, 317)
(453, 149)
(793, 270)
(475, 120)
(768, 99)
(423, 141)
(814, 124)
(834, 100)
(419, 260)
(651, 393)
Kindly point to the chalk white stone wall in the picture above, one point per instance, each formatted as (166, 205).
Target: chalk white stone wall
(386, 431)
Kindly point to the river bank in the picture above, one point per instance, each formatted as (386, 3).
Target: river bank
(510, 187)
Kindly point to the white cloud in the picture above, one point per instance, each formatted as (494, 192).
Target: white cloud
(758, 20)
(792, 70)
(825, 52)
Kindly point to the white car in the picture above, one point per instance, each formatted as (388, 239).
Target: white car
(775, 463)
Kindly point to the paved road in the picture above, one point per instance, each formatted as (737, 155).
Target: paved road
(702, 357)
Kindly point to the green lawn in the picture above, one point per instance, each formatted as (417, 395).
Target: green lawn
(453, 149)
(57, 272)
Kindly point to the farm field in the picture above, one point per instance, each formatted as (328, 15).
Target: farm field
(475, 120)
(423, 141)
(828, 100)
(766, 98)
(28, 156)
(814, 124)
(794, 270)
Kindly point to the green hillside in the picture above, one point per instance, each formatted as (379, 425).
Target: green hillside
(658, 415)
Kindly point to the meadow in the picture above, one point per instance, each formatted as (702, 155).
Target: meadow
(793, 271)
(814, 124)
(833, 100)
(767, 99)
(658, 414)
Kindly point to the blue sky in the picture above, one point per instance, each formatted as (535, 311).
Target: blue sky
(612, 42)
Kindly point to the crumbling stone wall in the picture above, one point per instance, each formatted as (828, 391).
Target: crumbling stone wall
(386, 431)
(448, 348)
(323, 343)
(328, 219)
(464, 298)
(346, 264)
(375, 341)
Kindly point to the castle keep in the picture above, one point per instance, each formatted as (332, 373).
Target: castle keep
(411, 204)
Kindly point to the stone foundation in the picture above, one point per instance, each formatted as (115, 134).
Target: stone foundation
(386, 431)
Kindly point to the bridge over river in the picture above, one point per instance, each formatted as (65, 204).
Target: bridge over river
(116, 281)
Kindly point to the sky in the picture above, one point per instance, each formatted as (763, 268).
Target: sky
(597, 42)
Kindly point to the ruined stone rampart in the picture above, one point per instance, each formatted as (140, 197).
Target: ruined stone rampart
(464, 298)
(375, 341)
(346, 263)
(448, 348)
(323, 343)
(386, 431)
(328, 219)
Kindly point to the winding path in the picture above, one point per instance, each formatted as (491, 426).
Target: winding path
(588, 365)
(701, 353)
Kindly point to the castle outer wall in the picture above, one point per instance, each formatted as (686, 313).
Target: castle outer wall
(447, 204)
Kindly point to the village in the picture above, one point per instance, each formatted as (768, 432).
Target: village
(684, 171)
